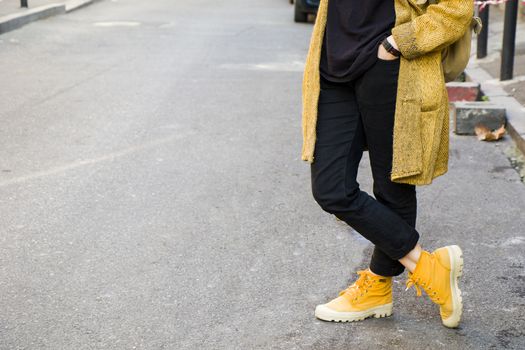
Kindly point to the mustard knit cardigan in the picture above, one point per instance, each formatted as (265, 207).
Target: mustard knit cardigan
(421, 124)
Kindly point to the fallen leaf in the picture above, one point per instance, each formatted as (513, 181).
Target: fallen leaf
(485, 134)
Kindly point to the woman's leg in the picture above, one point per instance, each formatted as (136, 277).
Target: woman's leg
(411, 259)
(338, 151)
(339, 147)
(376, 93)
(437, 273)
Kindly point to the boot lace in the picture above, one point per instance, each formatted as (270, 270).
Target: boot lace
(358, 288)
(417, 284)
(413, 282)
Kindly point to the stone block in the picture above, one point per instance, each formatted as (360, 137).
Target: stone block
(458, 91)
(467, 115)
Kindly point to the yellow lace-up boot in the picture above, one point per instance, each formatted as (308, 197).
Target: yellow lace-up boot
(370, 295)
(437, 273)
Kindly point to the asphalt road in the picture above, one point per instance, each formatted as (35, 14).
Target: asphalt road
(152, 194)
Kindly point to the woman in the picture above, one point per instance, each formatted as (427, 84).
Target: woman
(373, 80)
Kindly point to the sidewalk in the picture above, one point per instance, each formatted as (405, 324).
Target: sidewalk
(10, 7)
(492, 63)
(13, 16)
(510, 94)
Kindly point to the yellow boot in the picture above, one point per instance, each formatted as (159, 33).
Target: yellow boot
(370, 295)
(437, 273)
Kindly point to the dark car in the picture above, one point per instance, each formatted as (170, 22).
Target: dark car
(303, 8)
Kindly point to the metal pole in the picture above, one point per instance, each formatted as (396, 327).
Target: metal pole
(509, 40)
(483, 37)
(23, 3)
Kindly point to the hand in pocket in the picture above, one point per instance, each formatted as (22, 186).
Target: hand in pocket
(383, 54)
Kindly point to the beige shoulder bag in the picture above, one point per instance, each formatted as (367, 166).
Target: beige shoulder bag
(456, 56)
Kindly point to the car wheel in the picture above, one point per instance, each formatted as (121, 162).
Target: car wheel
(299, 15)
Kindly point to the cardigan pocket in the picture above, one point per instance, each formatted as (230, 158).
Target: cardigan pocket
(431, 80)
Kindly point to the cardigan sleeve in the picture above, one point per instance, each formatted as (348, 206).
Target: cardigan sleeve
(441, 25)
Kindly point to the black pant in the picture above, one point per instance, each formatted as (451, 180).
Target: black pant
(351, 116)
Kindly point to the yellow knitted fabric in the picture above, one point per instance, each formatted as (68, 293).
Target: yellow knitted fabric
(421, 125)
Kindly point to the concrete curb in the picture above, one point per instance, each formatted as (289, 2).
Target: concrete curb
(496, 94)
(20, 19)
(17, 20)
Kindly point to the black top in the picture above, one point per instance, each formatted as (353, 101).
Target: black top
(354, 30)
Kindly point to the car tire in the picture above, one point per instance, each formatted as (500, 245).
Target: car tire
(299, 15)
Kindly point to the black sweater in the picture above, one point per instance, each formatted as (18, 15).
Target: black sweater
(354, 30)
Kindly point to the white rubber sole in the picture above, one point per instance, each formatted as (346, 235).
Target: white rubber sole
(324, 313)
(456, 264)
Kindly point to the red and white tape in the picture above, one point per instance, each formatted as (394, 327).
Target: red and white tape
(483, 4)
